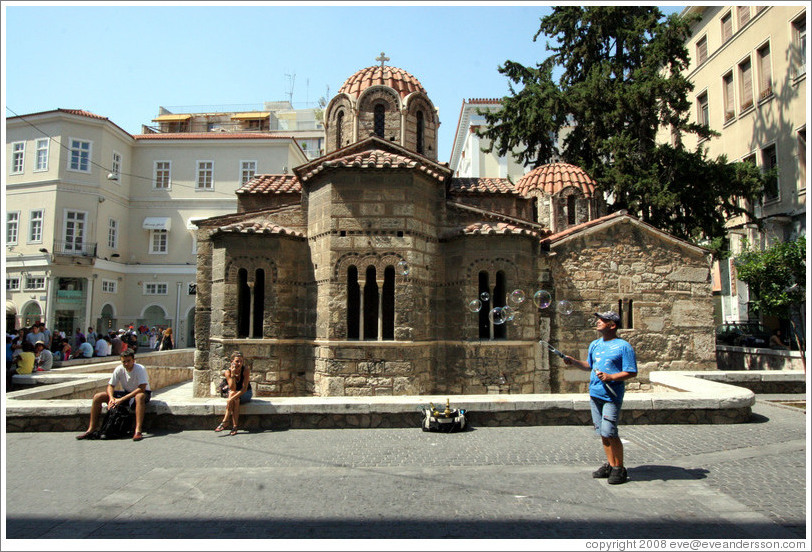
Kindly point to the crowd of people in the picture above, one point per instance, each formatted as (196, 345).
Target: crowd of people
(34, 349)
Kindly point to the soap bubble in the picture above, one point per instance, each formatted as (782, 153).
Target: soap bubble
(497, 316)
(565, 307)
(508, 313)
(517, 316)
(542, 299)
(403, 267)
(485, 296)
(517, 297)
(475, 305)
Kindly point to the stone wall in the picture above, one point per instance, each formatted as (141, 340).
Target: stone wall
(746, 358)
(664, 284)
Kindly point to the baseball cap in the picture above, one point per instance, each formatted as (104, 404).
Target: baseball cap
(609, 315)
(39, 343)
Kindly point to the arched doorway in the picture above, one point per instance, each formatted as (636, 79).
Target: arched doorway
(107, 321)
(31, 313)
(11, 316)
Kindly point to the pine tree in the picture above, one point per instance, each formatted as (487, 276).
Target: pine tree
(622, 82)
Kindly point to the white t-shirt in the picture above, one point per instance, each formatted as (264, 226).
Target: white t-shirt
(129, 380)
(102, 348)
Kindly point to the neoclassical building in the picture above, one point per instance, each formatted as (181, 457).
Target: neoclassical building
(372, 271)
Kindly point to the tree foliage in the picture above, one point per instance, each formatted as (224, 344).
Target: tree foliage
(775, 276)
(622, 81)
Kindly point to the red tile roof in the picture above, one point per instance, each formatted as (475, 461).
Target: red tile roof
(374, 159)
(553, 178)
(272, 184)
(211, 136)
(583, 226)
(259, 228)
(403, 82)
(482, 186)
(503, 228)
(83, 113)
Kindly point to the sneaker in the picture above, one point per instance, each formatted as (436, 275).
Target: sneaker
(618, 476)
(602, 472)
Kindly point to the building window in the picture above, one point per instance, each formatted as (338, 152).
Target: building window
(259, 303)
(727, 27)
(41, 161)
(420, 131)
(802, 156)
(35, 226)
(353, 304)
(380, 120)
(12, 227)
(701, 50)
(34, 282)
(746, 84)
(115, 165)
(729, 98)
(702, 113)
(13, 284)
(247, 170)
(17, 157)
(339, 129)
(769, 161)
(112, 234)
(156, 288)
(158, 242)
(571, 210)
(799, 46)
(205, 175)
(109, 286)
(243, 303)
(163, 175)
(79, 159)
(765, 86)
(744, 15)
(74, 231)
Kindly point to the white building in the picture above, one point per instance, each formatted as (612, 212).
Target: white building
(99, 222)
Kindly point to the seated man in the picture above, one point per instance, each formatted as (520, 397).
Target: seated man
(85, 349)
(45, 359)
(102, 346)
(133, 378)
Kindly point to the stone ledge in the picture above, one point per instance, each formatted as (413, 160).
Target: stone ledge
(695, 397)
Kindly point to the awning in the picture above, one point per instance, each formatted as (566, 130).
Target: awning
(157, 223)
(172, 118)
(251, 115)
(190, 222)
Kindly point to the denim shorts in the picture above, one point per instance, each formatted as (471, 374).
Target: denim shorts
(605, 417)
(245, 397)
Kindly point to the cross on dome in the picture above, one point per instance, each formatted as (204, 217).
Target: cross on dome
(382, 58)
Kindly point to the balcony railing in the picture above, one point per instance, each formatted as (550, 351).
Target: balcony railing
(79, 249)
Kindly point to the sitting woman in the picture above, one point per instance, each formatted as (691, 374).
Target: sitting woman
(240, 392)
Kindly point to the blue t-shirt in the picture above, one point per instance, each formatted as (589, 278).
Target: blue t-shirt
(611, 357)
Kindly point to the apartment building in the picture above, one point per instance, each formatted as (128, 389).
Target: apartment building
(748, 66)
(277, 118)
(100, 223)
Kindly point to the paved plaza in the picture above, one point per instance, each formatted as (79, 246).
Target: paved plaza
(687, 481)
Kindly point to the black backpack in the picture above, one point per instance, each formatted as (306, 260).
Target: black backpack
(119, 422)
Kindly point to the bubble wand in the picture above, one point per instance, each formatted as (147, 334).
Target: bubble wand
(562, 355)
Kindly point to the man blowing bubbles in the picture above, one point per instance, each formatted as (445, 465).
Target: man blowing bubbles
(612, 361)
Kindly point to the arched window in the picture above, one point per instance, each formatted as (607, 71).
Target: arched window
(380, 120)
(353, 304)
(388, 306)
(420, 131)
(371, 306)
(499, 330)
(484, 322)
(571, 210)
(339, 129)
(243, 303)
(259, 303)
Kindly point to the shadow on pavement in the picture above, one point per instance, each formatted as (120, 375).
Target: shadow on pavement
(655, 472)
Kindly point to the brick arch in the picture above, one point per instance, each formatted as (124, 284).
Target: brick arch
(418, 101)
(251, 264)
(373, 94)
(340, 103)
(361, 261)
(493, 266)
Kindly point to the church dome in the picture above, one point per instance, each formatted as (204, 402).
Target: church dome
(403, 82)
(554, 177)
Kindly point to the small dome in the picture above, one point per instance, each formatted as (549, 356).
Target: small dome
(398, 79)
(553, 178)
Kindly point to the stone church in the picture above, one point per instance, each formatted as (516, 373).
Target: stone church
(373, 271)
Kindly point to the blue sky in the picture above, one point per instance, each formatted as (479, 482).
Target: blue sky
(124, 61)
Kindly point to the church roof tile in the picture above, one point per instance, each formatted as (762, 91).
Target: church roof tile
(272, 184)
(482, 185)
(398, 79)
(553, 178)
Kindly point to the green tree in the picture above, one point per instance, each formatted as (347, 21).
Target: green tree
(776, 278)
(622, 81)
